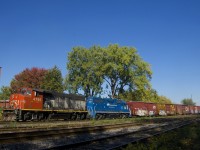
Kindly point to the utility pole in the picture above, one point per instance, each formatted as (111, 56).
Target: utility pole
(0, 73)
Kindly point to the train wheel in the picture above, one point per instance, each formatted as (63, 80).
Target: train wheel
(73, 116)
(98, 116)
(123, 116)
(82, 116)
(40, 116)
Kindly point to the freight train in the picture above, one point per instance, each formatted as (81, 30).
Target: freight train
(34, 104)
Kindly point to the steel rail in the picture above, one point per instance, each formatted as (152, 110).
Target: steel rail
(141, 134)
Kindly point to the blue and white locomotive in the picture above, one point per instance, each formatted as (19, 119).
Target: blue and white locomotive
(100, 108)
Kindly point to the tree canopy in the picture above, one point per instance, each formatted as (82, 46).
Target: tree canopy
(53, 80)
(82, 71)
(188, 101)
(32, 78)
(5, 93)
(119, 69)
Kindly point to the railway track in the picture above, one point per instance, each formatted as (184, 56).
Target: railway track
(116, 141)
(10, 136)
(92, 137)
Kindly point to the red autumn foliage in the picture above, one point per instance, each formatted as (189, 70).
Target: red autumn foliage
(32, 78)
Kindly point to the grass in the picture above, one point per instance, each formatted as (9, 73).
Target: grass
(185, 138)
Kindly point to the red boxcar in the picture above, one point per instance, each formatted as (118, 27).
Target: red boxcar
(185, 109)
(151, 107)
(179, 109)
(198, 109)
(195, 109)
(161, 109)
(170, 109)
(191, 109)
(137, 108)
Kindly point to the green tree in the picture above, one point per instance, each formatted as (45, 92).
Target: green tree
(164, 100)
(53, 80)
(82, 71)
(5, 92)
(123, 69)
(146, 95)
(32, 78)
(188, 101)
(120, 68)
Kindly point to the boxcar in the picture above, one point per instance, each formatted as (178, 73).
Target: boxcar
(198, 109)
(100, 108)
(195, 109)
(152, 108)
(179, 109)
(138, 108)
(170, 109)
(185, 109)
(4, 104)
(191, 109)
(161, 109)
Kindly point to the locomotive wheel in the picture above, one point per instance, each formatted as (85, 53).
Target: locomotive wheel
(123, 116)
(74, 116)
(40, 116)
(98, 117)
(82, 116)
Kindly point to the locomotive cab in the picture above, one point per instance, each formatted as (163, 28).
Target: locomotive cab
(26, 98)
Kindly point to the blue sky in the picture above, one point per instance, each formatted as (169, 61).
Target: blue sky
(166, 33)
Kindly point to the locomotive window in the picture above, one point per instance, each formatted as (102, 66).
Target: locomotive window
(37, 94)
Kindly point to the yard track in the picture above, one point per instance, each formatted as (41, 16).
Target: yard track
(90, 137)
(116, 141)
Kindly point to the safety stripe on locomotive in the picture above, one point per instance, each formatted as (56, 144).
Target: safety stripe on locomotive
(54, 110)
(110, 112)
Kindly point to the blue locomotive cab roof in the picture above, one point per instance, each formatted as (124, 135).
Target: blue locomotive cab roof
(105, 100)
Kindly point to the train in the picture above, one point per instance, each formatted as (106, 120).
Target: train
(35, 104)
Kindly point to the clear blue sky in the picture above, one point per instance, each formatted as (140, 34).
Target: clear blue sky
(166, 33)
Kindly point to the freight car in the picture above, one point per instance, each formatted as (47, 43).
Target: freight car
(100, 108)
(34, 104)
(4, 104)
(138, 108)
(156, 109)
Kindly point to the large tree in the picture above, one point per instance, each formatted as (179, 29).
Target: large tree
(53, 80)
(123, 69)
(82, 73)
(119, 68)
(188, 101)
(32, 78)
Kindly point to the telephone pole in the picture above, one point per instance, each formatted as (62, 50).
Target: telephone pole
(0, 73)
